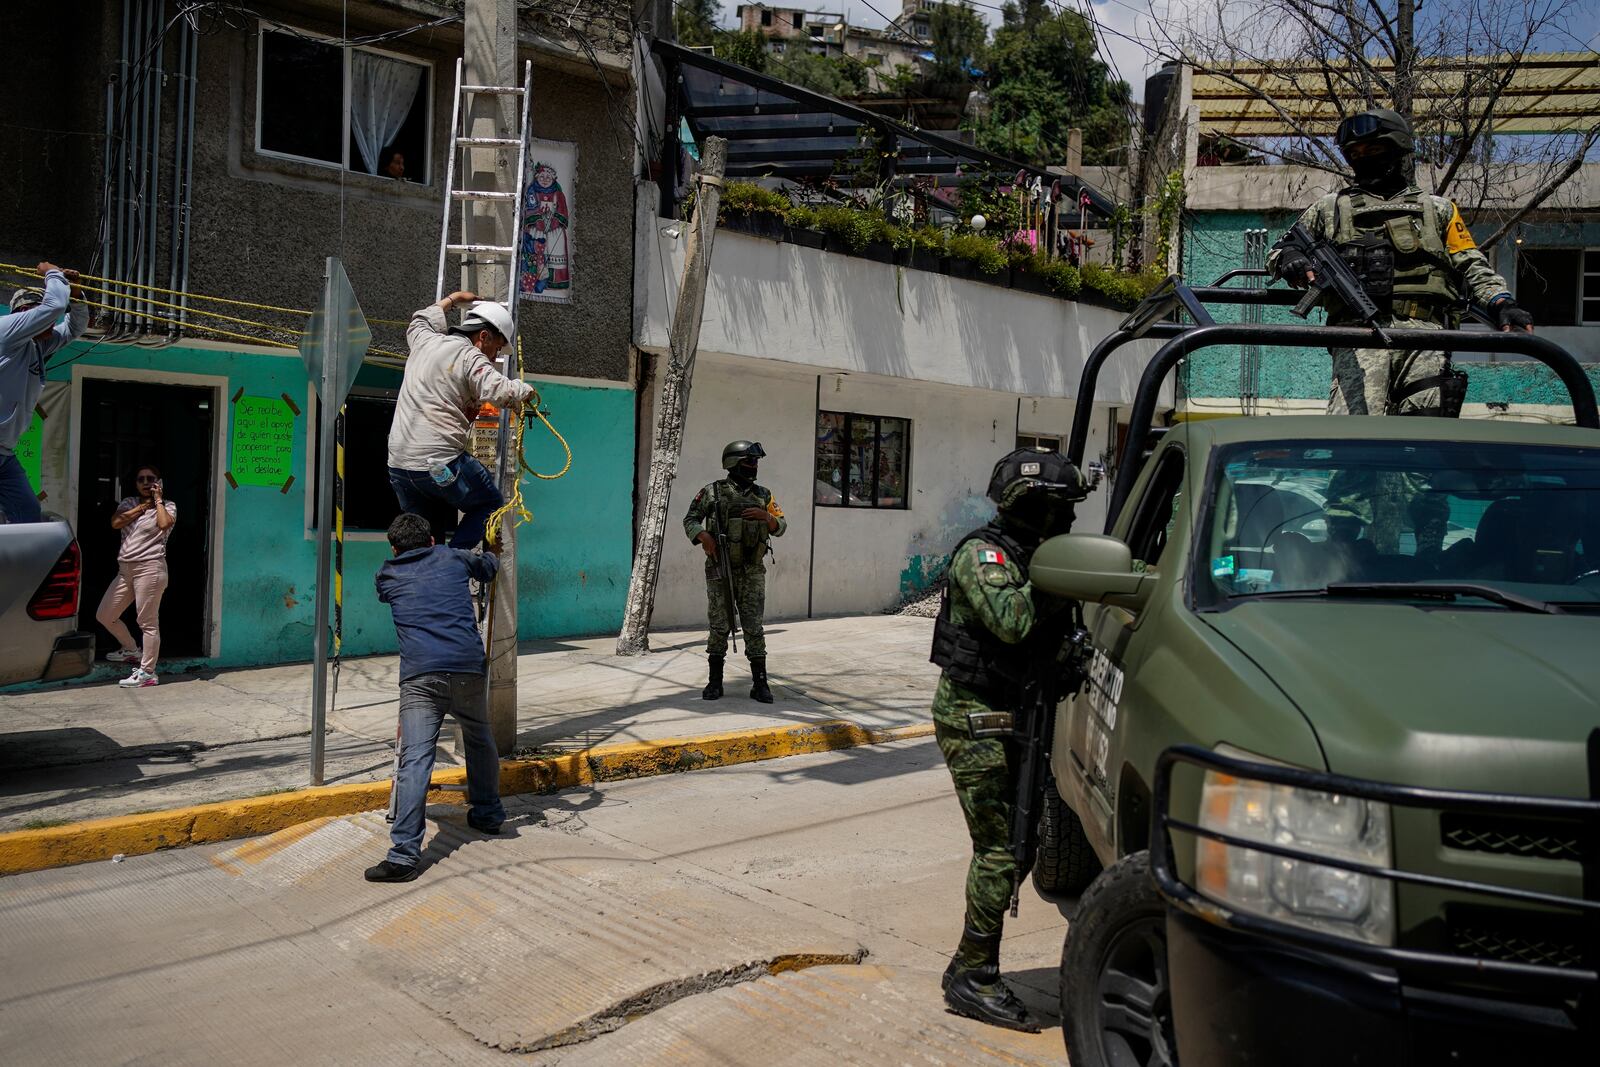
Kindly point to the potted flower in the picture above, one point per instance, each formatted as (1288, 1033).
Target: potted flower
(801, 227)
(752, 209)
(977, 258)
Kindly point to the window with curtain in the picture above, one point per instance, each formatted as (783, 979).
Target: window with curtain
(353, 108)
(862, 461)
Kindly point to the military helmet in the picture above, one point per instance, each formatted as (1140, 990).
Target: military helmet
(737, 452)
(1379, 132)
(1034, 469)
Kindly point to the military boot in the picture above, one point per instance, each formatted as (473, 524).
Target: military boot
(758, 680)
(973, 987)
(713, 689)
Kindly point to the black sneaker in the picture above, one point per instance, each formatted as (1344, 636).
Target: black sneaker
(391, 872)
(484, 826)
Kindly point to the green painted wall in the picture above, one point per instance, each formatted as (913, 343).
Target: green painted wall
(573, 559)
(1213, 243)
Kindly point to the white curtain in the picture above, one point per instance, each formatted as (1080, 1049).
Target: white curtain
(381, 93)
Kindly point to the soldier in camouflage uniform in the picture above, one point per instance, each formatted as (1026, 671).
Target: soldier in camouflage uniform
(989, 632)
(749, 516)
(1418, 260)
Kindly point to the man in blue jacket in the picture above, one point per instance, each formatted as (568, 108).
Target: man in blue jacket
(28, 335)
(442, 669)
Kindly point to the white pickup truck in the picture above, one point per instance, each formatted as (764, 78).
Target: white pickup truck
(40, 576)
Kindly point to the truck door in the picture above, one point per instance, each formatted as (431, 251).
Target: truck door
(1097, 713)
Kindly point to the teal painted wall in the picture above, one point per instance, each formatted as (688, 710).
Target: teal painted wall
(573, 559)
(1213, 243)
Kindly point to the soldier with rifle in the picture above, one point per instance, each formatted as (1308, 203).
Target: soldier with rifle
(1417, 262)
(732, 520)
(1006, 653)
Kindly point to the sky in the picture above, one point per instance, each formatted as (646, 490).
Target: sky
(1125, 22)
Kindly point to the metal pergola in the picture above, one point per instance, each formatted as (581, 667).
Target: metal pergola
(778, 130)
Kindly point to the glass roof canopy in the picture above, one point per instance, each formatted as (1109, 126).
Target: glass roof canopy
(779, 130)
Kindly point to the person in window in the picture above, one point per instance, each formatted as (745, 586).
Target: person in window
(146, 521)
(450, 374)
(28, 335)
(394, 163)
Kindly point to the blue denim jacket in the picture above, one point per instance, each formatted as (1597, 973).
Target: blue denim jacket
(427, 590)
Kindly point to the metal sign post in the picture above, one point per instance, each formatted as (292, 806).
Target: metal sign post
(336, 339)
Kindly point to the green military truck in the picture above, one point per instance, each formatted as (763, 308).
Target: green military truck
(1328, 789)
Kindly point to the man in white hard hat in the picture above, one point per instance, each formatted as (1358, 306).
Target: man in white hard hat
(449, 374)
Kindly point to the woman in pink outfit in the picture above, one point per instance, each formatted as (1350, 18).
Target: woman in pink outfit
(146, 521)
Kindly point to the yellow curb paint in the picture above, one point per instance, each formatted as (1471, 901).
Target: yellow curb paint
(134, 835)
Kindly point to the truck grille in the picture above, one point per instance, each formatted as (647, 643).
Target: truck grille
(1515, 936)
(1510, 836)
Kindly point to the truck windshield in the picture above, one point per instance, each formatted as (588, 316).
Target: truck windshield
(1291, 518)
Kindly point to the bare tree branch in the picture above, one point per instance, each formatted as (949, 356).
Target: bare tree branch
(1548, 189)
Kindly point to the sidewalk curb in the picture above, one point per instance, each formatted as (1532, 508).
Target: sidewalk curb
(133, 835)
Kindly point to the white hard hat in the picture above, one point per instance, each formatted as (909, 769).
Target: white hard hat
(487, 313)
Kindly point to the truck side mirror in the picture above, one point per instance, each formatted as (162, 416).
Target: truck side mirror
(1093, 568)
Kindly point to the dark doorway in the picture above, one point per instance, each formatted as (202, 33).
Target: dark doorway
(125, 424)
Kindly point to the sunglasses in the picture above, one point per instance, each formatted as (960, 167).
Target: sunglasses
(146, 479)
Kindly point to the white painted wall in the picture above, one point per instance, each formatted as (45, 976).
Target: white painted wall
(849, 560)
(780, 302)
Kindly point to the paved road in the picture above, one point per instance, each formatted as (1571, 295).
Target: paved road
(796, 911)
(87, 751)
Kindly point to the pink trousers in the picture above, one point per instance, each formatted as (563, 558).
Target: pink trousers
(140, 584)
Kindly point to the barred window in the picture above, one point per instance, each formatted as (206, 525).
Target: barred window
(862, 461)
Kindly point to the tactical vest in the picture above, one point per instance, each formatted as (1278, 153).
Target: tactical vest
(1408, 231)
(747, 540)
(971, 655)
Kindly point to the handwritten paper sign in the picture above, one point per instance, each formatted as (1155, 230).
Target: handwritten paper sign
(263, 441)
(29, 450)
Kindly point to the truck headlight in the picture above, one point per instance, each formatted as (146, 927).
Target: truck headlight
(1297, 891)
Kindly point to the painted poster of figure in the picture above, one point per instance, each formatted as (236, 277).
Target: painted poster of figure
(547, 222)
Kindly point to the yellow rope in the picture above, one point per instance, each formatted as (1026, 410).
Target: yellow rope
(192, 311)
(219, 330)
(31, 272)
(515, 504)
(549, 426)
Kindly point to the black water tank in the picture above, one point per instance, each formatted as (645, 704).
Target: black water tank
(1156, 88)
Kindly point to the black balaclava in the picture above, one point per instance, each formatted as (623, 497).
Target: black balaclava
(743, 473)
(1380, 149)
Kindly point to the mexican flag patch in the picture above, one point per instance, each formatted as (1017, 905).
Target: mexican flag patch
(991, 555)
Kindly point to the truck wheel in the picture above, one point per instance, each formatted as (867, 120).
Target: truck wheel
(1066, 864)
(1116, 1004)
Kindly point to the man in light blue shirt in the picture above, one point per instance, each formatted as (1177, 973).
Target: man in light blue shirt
(27, 338)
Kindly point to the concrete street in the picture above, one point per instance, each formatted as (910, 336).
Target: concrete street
(87, 751)
(637, 923)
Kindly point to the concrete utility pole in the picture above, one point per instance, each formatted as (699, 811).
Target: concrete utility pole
(490, 52)
(683, 341)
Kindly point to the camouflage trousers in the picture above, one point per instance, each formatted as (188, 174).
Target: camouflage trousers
(750, 595)
(1365, 379)
(981, 772)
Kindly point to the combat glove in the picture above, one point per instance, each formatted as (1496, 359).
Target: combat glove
(1294, 267)
(1510, 316)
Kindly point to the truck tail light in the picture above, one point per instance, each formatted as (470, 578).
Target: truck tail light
(57, 596)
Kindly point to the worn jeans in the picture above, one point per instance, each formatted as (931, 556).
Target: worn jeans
(140, 584)
(473, 493)
(424, 700)
(17, 498)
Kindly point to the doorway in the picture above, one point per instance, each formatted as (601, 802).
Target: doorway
(123, 424)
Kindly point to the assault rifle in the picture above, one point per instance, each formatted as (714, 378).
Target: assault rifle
(1333, 274)
(1034, 727)
(725, 571)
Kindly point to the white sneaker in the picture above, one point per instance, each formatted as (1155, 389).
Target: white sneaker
(124, 655)
(139, 679)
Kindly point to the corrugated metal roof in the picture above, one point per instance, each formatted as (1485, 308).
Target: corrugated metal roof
(1547, 93)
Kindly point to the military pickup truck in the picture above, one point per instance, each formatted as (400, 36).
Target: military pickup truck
(1328, 789)
(40, 577)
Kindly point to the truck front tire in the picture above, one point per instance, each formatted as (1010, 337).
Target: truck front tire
(1116, 1003)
